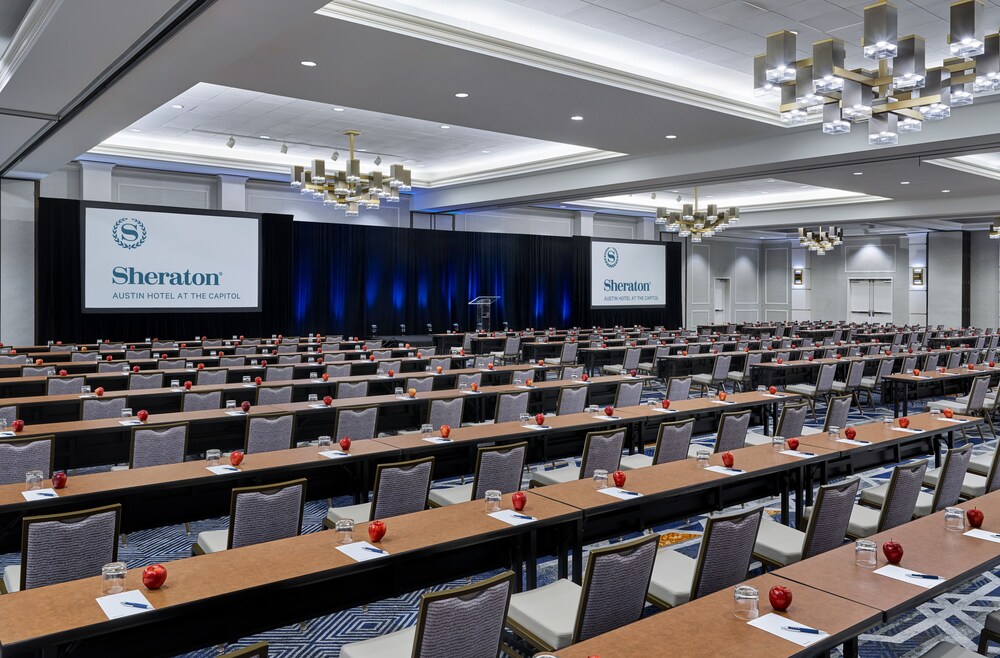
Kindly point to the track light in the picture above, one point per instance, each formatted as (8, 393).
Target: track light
(335, 155)
(284, 148)
(378, 160)
(231, 142)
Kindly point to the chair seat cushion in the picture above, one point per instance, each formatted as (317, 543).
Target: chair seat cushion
(864, 521)
(638, 460)
(673, 577)
(840, 387)
(868, 382)
(992, 621)
(735, 375)
(802, 389)
(876, 496)
(556, 476)
(614, 368)
(548, 613)
(777, 543)
(954, 405)
(12, 578)
(498, 355)
(757, 439)
(980, 464)
(702, 378)
(213, 541)
(811, 430)
(357, 513)
(945, 649)
(392, 645)
(553, 361)
(643, 365)
(461, 493)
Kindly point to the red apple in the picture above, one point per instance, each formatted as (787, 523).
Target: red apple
(793, 444)
(391, 373)
(993, 364)
(665, 404)
(772, 390)
(972, 367)
(684, 353)
(528, 382)
(245, 406)
(99, 391)
(518, 499)
(619, 478)
(584, 377)
(274, 351)
(62, 373)
(345, 443)
(219, 354)
(38, 362)
(371, 357)
(445, 431)
(780, 597)
(722, 396)
(609, 410)
(893, 551)
(327, 400)
(975, 516)
(364, 348)
(257, 381)
(948, 413)
(59, 480)
(780, 361)
(143, 415)
(134, 369)
(810, 358)
(108, 358)
(839, 356)
(420, 355)
(727, 459)
(850, 433)
(904, 422)
(490, 366)
(541, 362)
(154, 576)
(326, 376)
(540, 418)
(439, 370)
(376, 531)
(407, 346)
(412, 392)
(187, 385)
(916, 372)
(201, 366)
(17, 425)
(236, 457)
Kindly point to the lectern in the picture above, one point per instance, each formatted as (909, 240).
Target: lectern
(484, 309)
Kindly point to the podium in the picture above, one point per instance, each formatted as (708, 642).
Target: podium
(484, 310)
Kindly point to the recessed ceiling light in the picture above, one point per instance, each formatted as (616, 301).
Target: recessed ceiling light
(769, 180)
(461, 94)
(576, 117)
(135, 130)
(904, 182)
(177, 106)
(562, 206)
(362, 150)
(859, 173)
(265, 137)
(338, 109)
(671, 136)
(307, 63)
(484, 151)
(445, 127)
(945, 191)
(405, 161)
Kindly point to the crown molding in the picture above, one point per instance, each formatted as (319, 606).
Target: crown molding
(966, 167)
(35, 21)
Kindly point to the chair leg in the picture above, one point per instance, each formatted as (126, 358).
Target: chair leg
(187, 526)
(123, 540)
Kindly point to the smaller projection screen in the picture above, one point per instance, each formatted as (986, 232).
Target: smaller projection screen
(628, 274)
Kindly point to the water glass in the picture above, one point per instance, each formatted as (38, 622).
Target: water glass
(253, 362)
(230, 404)
(127, 412)
(398, 391)
(3, 424)
(954, 519)
(113, 578)
(427, 369)
(600, 479)
(313, 397)
(125, 369)
(409, 355)
(176, 383)
(33, 480)
(745, 602)
(887, 420)
(426, 428)
(345, 531)
(464, 386)
(777, 443)
(312, 359)
(762, 389)
(574, 377)
(833, 432)
(492, 501)
(313, 375)
(592, 408)
(865, 553)
(212, 456)
(935, 412)
(187, 365)
(246, 379)
(524, 418)
(324, 440)
(702, 457)
(85, 390)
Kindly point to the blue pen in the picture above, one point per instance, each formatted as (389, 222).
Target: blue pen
(131, 604)
(629, 493)
(524, 516)
(802, 629)
(733, 470)
(808, 454)
(46, 495)
(374, 550)
(924, 576)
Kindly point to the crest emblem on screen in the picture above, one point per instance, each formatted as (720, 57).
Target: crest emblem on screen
(610, 256)
(129, 233)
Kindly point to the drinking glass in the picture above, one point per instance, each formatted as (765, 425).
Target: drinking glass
(253, 362)
(778, 443)
(312, 359)
(702, 457)
(85, 390)
(176, 383)
(426, 428)
(113, 578)
(230, 404)
(600, 479)
(745, 601)
(864, 553)
(127, 412)
(524, 418)
(246, 379)
(833, 432)
(398, 391)
(935, 412)
(313, 397)
(409, 355)
(762, 389)
(33, 480)
(212, 456)
(3, 424)
(954, 519)
(887, 420)
(125, 368)
(188, 366)
(492, 501)
(574, 377)
(313, 375)
(464, 386)
(345, 531)
(325, 440)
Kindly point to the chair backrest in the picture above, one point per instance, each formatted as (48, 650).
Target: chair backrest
(61, 348)
(286, 349)
(444, 362)
(232, 361)
(469, 380)
(201, 401)
(631, 359)
(138, 354)
(8, 413)
(212, 342)
(338, 369)
(279, 373)
(793, 417)
(721, 368)
(954, 359)
(61, 547)
(155, 445)
(246, 350)
(909, 363)
(901, 498)
(732, 433)
(467, 342)
(170, 364)
(352, 389)
(18, 456)
(521, 377)
(974, 358)
(103, 366)
(837, 411)
(15, 359)
(383, 367)
(163, 344)
(931, 361)
(401, 487)
(614, 586)
(94, 409)
(602, 450)
(190, 352)
(484, 361)
(672, 441)
(750, 361)
(511, 346)
(334, 357)
(949, 487)
(270, 432)
(977, 394)
(446, 412)
(726, 548)
(266, 513)
(679, 388)
(382, 354)
(420, 384)
(84, 356)
(467, 620)
(373, 344)
(572, 400)
(993, 478)
(356, 423)
(568, 352)
(289, 358)
(499, 468)
(64, 385)
(48, 371)
(274, 395)
(824, 381)
(629, 394)
(828, 523)
(884, 370)
(139, 381)
(510, 406)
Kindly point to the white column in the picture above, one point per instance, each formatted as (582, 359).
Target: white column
(17, 262)
(917, 302)
(802, 293)
(647, 228)
(95, 181)
(583, 223)
(232, 192)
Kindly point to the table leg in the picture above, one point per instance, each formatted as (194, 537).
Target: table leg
(578, 552)
(906, 399)
(851, 648)
(532, 561)
(517, 562)
(783, 486)
(800, 479)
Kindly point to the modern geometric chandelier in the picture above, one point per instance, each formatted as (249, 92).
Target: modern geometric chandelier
(694, 223)
(821, 241)
(898, 96)
(995, 229)
(350, 189)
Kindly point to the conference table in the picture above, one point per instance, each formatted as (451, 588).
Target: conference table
(904, 386)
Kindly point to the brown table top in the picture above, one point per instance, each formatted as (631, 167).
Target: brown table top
(951, 373)
(878, 432)
(709, 627)
(690, 405)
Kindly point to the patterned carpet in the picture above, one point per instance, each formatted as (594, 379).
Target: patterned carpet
(957, 615)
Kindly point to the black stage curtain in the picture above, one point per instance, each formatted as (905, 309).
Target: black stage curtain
(58, 313)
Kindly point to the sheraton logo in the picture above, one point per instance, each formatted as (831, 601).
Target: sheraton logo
(122, 276)
(129, 233)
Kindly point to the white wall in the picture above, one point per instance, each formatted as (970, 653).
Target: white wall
(17, 262)
(944, 278)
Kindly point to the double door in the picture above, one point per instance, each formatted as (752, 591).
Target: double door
(870, 300)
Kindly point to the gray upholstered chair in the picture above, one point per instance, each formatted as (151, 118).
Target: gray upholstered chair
(484, 361)
(384, 367)
(201, 401)
(171, 364)
(821, 389)
(232, 361)
(870, 385)
(257, 515)
(84, 357)
(381, 355)
(338, 369)
(274, 395)
(601, 450)
(469, 380)
(975, 403)
(400, 488)
(718, 376)
(931, 361)
(510, 406)
(467, 620)
(572, 400)
(571, 372)
(64, 385)
(613, 593)
(373, 344)
(8, 413)
(110, 347)
(790, 423)
(269, 432)
(289, 358)
(279, 373)
(48, 371)
(511, 350)
(567, 354)
(732, 433)
(779, 545)
(420, 384)
(443, 362)
(61, 547)
(678, 388)
(630, 362)
(137, 354)
(741, 378)
(521, 377)
(190, 352)
(909, 363)
(947, 482)
(245, 350)
(649, 367)
(352, 390)
(628, 394)
(163, 344)
(838, 408)
(672, 443)
(18, 456)
(954, 360)
(497, 467)
(286, 349)
(156, 445)
(14, 359)
(139, 380)
(850, 385)
(103, 366)
(973, 484)
(96, 409)
(356, 423)
(446, 412)
(723, 560)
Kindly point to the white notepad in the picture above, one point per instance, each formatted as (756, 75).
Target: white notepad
(334, 454)
(222, 469)
(511, 517)
(607, 417)
(853, 442)
(776, 624)
(536, 427)
(722, 402)
(899, 573)
(661, 410)
(362, 551)
(436, 439)
(623, 494)
(905, 429)
(40, 494)
(236, 412)
(129, 422)
(979, 533)
(796, 453)
(113, 604)
(724, 470)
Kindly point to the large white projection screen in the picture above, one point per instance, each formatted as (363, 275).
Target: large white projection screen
(627, 274)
